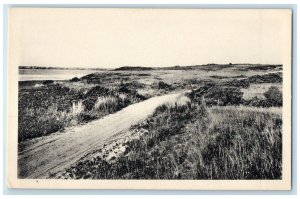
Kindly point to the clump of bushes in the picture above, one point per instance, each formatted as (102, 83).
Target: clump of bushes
(104, 78)
(128, 87)
(245, 82)
(267, 78)
(272, 97)
(46, 82)
(260, 67)
(256, 102)
(95, 78)
(46, 96)
(242, 83)
(223, 95)
(161, 85)
(218, 95)
(75, 79)
(92, 95)
(41, 110)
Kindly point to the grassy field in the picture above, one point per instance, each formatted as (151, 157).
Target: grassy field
(228, 126)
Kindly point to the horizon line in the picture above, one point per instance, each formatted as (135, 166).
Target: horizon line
(141, 66)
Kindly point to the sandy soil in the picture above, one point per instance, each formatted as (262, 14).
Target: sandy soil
(41, 157)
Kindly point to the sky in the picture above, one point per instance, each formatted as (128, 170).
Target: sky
(110, 38)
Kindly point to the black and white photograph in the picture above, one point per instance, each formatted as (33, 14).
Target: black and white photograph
(150, 95)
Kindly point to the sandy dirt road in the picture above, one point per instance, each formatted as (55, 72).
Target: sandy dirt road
(42, 156)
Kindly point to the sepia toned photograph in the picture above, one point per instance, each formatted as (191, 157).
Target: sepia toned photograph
(149, 98)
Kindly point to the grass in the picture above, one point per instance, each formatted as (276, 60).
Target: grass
(193, 141)
(253, 153)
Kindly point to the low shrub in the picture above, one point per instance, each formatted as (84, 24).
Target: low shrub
(273, 96)
(46, 82)
(260, 67)
(163, 85)
(75, 79)
(267, 78)
(245, 82)
(218, 95)
(36, 123)
(239, 83)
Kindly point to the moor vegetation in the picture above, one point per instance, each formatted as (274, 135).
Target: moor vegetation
(212, 131)
(51, 107)
(193, 140)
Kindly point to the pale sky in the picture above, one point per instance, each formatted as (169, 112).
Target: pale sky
(110, 38)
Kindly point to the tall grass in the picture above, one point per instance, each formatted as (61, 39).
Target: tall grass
(179, 101)
(242, 144)
(105, 103)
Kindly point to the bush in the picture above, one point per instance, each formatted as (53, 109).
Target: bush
(46, 82)
(75, 79)
(36, 123)
(163, 85)
(217, 95)
(273, 96)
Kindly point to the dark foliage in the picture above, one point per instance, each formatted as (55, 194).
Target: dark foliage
(218, 95)
(257, 102)
(75, 79)
(242, 83)
(268, 78)
(46, 82)
(260, 67)
(164, 86)
(227, 77)
(245, 83)
(161, 85)
(273, 96)
(34, 117)
(137, 68)
(92, 95)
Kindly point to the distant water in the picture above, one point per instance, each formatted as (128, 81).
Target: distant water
(51, 74)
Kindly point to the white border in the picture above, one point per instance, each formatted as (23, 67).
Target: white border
(138, 2)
